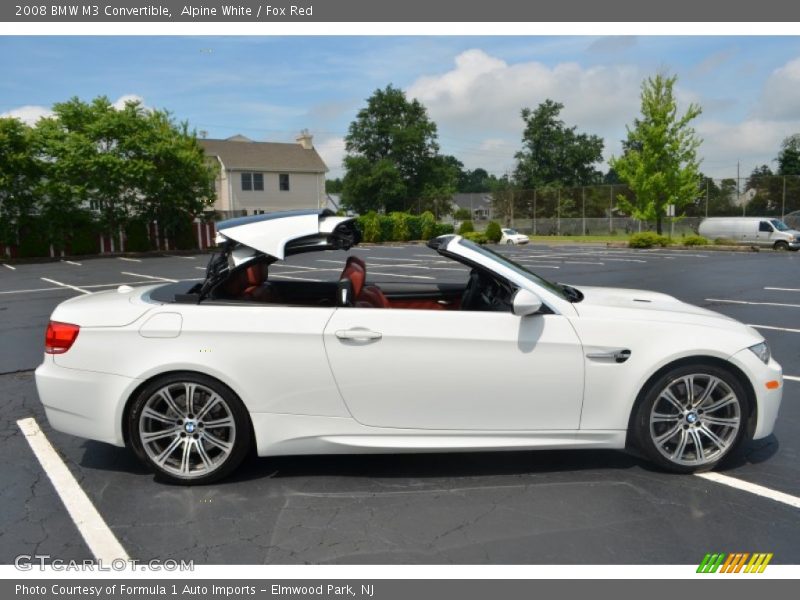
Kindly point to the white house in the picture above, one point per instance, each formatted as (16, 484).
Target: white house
(258, 177)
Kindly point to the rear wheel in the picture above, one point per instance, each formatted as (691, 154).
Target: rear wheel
(781, 246)
(189, 428)
(691, 418)
(509, 242)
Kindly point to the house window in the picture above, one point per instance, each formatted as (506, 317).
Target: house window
(252, 182)
(283, 182)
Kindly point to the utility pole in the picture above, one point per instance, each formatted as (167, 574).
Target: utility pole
(706, 197)
(744, 204)
(783, 199)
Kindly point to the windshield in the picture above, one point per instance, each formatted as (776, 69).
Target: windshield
(560, 290)
(779, 225)
(510, 231)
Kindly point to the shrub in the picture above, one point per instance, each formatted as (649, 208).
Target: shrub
(476, 236)
(370, 226)
(695, 240)
(648, 239)
(462, 214)
(493, 232)
(136, 239)
(427, 225)
(401, 232)
(466, 227)
(443, 229)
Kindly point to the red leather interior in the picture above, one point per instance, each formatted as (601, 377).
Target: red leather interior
(356, 271)
(420, 304)
(372, 297)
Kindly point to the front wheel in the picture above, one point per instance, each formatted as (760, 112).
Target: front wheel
(781, 246)
(189, 428)
(691, 418)
(509, 242)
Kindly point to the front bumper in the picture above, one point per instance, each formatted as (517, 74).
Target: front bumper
(768, 401)
(84, 403)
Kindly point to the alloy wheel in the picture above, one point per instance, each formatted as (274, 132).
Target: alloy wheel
(187, 429)
(695, 419)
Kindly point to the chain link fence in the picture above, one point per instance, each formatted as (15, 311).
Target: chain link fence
(598, 210)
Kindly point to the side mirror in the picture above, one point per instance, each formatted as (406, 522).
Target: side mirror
(525, 303)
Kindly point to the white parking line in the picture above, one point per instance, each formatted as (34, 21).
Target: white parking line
(777, 289)
(149, 277)
(775, 328)
(753, 488)
(282, 276)
(753, 303)
(9, 267)
(72, 262)
(791, 378)
(201, 268)
(66, 285)
(129, 259)
(85, 287)
(402, 276)
(177, 256)
(95, 532)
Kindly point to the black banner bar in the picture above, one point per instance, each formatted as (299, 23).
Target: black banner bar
(405, 11)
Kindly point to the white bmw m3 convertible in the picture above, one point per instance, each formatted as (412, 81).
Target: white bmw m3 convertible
(193, 376)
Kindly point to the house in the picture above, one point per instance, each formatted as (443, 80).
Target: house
(258, 177)
(479, 204)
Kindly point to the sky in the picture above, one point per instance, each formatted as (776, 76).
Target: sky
(269, 88)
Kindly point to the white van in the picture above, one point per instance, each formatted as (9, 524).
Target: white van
(752, 231)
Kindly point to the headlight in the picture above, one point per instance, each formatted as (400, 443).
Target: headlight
(761, 351)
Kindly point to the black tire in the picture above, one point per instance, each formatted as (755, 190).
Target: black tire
(781, 246)
(509, 242)
(646, 433)
(236, 431)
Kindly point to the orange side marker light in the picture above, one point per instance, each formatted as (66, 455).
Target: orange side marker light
(773, 385)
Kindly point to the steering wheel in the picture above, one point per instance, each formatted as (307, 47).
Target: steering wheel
(471, 297)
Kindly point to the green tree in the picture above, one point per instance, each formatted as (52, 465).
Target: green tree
(660, 164)
(789, 156)
(334, 186)
(20, 178)
(390, 148)
(553, 154)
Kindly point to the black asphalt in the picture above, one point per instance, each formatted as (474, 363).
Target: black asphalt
(598, 507)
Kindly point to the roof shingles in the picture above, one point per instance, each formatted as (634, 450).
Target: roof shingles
(264, 156)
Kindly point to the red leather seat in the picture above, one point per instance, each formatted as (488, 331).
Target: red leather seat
(249, 283)
(372, 297)
(352, 290)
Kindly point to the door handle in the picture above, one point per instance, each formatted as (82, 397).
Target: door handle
(358, 333)
(618, 356)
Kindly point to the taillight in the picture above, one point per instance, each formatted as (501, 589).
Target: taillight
(60, 337)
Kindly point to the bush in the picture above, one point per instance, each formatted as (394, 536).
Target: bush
(370, 227)
(476, 236)
(136, 239)
(462, 214)
(466, 227)
(648, 239)
(443, 229)
(401, 231)
(493, 232)
(695, 240)
(427, 225)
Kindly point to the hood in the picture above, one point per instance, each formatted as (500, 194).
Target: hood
(652, 306)
(280, 234)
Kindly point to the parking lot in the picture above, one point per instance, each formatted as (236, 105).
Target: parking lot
(599, 507)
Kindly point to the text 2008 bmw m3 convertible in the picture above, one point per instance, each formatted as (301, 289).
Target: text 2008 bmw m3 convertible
(193, 377)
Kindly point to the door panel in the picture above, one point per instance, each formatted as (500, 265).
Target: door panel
(456, 370)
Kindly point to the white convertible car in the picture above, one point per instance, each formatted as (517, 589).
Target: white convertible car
(192, 377)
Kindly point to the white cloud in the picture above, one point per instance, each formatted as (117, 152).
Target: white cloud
(781, 96)
(332, 152)
(120, 102)
(481, 98)
(28, 114)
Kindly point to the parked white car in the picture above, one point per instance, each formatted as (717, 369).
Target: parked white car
(752, 231)
(192, 377)
(512, 236)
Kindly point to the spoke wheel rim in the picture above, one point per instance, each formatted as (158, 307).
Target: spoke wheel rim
(695, 419)
(187, 429)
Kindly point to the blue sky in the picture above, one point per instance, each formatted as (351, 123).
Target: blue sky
(269, 88)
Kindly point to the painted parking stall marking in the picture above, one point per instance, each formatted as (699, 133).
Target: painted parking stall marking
(65, 285)
(752, 488)
(91, 525)
(153, 277)
(9, 267)
(774, 328)
(726, 301)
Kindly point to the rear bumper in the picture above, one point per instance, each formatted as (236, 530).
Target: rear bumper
(768, 401)
(84, 403)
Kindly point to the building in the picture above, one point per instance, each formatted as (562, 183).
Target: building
(259, 177)
(479, 204)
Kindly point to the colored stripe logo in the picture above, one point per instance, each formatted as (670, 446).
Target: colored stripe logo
(738, 562)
